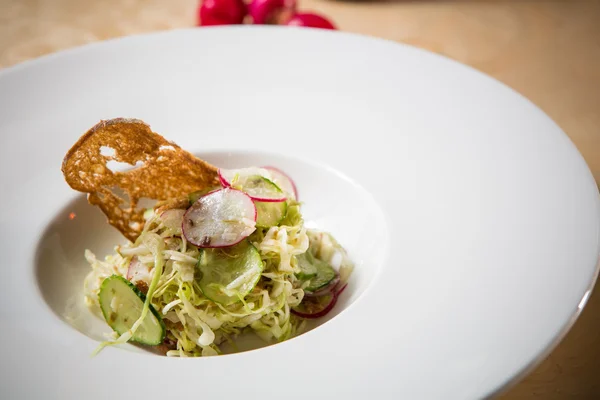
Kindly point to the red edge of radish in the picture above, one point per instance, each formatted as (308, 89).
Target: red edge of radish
(135, 269)
(196, 205)
(271, 168)
(222, 180)
(318, 314)
(211, 192)
(263, 200)
(341, 290)
(334, 298)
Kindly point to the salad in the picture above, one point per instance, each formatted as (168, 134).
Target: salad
(224, 261)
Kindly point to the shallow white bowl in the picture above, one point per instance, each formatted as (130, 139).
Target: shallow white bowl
(473, 220)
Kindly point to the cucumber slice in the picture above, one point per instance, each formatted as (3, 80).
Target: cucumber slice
(259, 188)
(121, 304)
(325, 274)
(227, 275)
(318, 273)
(269, 213)
(306, 263)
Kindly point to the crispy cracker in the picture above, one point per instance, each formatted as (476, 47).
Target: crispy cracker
(168, 172)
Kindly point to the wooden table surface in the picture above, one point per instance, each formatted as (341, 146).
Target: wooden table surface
(547, 50)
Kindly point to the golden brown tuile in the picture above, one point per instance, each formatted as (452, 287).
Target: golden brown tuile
(167, 172)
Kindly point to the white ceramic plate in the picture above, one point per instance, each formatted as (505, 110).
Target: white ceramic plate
(472, 218)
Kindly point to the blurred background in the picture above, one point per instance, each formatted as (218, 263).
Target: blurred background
(547, 50)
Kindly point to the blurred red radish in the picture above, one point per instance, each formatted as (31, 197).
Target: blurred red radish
(310, 20)
(221, 12)
(271, 11)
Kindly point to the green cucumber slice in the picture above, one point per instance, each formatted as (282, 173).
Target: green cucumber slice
(121, 304)
(228, 274)
(306, 264)
(318, 273)
(325, 274)
(270, 213)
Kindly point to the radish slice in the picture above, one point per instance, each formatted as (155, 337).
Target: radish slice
(316, 307)
(282, 180)
(171, 219)
(220, 219)
(255, 182)
(199, 193)
(138, 272)
(226, 176)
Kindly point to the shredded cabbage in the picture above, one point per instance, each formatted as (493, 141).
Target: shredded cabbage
(197, 326)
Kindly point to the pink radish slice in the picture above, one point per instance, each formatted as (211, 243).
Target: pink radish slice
(138, 271)
(282, 180)
(255, 182)
(331, 286)
(220, 219)
(171, 219)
